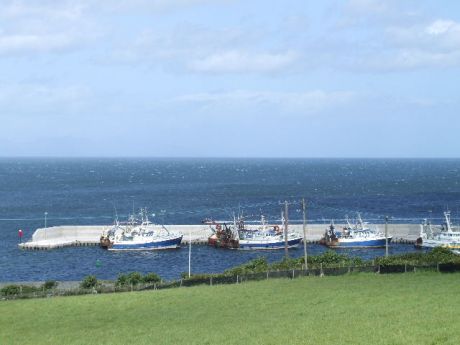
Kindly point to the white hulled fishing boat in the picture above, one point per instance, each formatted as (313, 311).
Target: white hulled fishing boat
(357, 235)
(445, 236)
(241, 236)
(142, 235)
(266, 237)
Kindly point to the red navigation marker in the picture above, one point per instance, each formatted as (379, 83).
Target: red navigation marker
(20, 233)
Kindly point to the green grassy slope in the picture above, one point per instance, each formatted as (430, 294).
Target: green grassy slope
(422, 308)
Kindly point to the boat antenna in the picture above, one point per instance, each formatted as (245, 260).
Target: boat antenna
(447, 218)
(235, 227)
(348, 221)
(116, 213)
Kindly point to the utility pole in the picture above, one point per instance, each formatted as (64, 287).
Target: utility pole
(386, 236)
(304, 233)
(286, 223)
(189, 252)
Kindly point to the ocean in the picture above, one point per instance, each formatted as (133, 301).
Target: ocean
(185, 191)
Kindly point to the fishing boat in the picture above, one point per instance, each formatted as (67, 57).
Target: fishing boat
(266, 237)
(142, 235)
(223, 235)
(357, 235)
(240, 236)
(443, 237)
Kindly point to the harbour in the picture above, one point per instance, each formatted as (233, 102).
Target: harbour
(89, 235)
(63, 207)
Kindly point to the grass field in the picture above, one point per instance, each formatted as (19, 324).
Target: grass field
(421, 308)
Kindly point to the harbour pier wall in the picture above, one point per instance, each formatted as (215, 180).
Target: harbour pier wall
(89, 235)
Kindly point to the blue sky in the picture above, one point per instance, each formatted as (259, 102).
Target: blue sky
(358, 78)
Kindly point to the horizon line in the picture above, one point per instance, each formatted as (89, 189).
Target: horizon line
(221, 157)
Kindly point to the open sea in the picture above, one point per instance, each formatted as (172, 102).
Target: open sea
(184, 191)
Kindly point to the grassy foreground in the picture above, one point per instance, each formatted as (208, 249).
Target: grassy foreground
(421, 308)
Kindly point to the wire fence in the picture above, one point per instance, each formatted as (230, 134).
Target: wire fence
(22, 292)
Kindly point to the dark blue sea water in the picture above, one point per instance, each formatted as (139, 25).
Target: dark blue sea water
(87, 191)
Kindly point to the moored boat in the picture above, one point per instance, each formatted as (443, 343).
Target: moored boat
(266, 237)
(443, 237)
(240, 236)
(352, 236)
(223, 236)
(142, 236)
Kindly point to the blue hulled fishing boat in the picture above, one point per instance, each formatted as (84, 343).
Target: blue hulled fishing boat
(142, 235)
(266, 237)
(240, 236)
(357, 235)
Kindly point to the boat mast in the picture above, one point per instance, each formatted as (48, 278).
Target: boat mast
(348, 222)
(235, 231)
(447, 218)
(360, 221)
(422, 228)
(286, 223)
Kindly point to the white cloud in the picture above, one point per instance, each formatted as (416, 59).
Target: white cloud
(19, 43)
(305, 102)
(31, 27)
(41, 98)
(151, 5)
(434, 44)
(74, 9)
(238, 61)
(196, 48)
(439, 27)
(64, 9)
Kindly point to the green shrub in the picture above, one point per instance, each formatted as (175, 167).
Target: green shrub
(442, 255)
(49, 285)
(11, 290)
(254, 266)
(151, 278)
(89, 282)
(122, 280)
(14, 290)
(332, 258)
(432, 257)
(287, 264)
(134, 278)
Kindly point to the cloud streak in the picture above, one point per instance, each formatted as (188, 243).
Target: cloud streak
(239, 61)
(305, 102)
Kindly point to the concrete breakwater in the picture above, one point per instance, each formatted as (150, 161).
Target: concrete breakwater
(77, 235)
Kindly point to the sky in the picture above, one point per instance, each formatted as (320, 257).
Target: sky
(224, 78)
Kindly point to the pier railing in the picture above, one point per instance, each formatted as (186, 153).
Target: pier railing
(21, 292)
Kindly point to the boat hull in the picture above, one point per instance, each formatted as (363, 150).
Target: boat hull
(371, 243)
(421, 243)
(217, 242)
(170, 243)
(267, 245)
